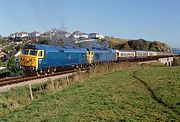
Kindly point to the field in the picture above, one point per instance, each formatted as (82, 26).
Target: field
(139, 94)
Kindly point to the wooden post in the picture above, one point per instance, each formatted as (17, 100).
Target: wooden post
(52, 81)
(30, 89)
(67, 79)
(107, 67)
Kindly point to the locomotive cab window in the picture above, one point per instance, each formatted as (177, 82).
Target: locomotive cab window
(33, 52)
(25, 52)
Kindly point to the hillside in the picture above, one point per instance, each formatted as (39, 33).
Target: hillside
(115, 96)
(139, 44)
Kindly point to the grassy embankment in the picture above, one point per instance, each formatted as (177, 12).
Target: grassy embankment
(109, 97)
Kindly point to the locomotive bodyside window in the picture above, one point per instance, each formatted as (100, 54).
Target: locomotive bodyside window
(40, 53)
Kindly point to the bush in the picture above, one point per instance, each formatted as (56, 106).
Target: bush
(44, 41)
(11, 65)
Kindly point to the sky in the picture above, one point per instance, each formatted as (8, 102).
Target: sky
(131, 19)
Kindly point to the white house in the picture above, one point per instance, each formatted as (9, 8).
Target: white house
(34, 34)
(19, 35)
(95, 36)
(2, 54)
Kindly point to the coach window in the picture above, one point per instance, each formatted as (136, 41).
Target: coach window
(117, 54)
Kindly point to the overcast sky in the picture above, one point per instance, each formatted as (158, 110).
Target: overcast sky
(132, 19)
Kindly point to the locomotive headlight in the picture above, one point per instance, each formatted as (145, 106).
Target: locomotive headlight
(23, 58)
(32, 68)
(33, 60)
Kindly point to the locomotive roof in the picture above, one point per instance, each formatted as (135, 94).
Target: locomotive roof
(101, 49)
(52, 48)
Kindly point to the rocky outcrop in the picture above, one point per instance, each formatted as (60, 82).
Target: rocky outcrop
(139, 44)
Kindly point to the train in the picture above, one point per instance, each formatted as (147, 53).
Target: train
(40, 59)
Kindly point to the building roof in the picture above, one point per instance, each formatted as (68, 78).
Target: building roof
(35, 32)
(79, 33)
(17, 54)
(2, 54)
(2, 68)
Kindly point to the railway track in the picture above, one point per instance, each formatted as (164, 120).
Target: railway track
(19, 79)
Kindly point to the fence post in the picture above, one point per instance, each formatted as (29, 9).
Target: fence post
(30, 89)
(52, 81)
(67, 79)
(107, 67)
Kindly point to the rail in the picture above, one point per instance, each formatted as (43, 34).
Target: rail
(19, 79)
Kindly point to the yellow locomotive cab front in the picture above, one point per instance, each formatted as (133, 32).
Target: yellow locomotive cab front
(29, 58)
(90, 55)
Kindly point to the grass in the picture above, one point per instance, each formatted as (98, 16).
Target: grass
(165, 82)
(114, 96)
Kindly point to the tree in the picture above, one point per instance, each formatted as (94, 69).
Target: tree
(18, 47)
(44, 41)
(1, 63)
(11, 65)
(139, 44)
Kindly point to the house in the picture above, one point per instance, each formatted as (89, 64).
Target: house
(79, 35)
(17, 43)
(34, 34)
(3, 68)
(2, 54)
(63, 34)
(48, 34)
(60, 35)
(19, 35)
(95, 36)
(1, 47)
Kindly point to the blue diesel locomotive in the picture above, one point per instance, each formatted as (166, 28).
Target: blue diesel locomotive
(41, 59)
